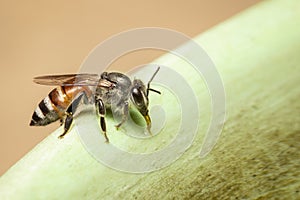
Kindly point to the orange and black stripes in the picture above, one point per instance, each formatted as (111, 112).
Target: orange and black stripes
(44, 114)
(53, 107)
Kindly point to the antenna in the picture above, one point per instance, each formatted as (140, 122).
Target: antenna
(148, 85)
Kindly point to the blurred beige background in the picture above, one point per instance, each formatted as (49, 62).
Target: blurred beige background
(54, 37)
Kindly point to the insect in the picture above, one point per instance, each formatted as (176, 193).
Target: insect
(113, 90)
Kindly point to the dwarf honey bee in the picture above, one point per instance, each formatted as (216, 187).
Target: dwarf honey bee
(113, 90)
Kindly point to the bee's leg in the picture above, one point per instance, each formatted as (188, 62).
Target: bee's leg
(124, 116)
(68, 123)
(70, 112)
(101, 109)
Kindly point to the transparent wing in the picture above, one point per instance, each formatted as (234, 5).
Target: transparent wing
(69, 79)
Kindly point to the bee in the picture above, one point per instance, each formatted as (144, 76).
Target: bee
(114, 90)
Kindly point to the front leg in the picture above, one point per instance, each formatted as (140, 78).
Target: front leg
(124, 116)
(101, 111)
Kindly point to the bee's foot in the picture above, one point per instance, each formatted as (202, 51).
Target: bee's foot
(118, 126)
(63, 135)
(149, 131)
(105, 136)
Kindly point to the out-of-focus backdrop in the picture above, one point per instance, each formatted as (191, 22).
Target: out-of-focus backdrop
(55, 37)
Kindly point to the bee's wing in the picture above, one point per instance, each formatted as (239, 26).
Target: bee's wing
(68, 79)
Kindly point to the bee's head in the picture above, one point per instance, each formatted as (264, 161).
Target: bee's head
(139, 97)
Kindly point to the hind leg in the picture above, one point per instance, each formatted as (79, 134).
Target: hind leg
(70, 112)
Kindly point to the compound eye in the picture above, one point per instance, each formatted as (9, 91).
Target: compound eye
(138, 97)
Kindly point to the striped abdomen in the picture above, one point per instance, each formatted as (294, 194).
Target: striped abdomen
(53, 107)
